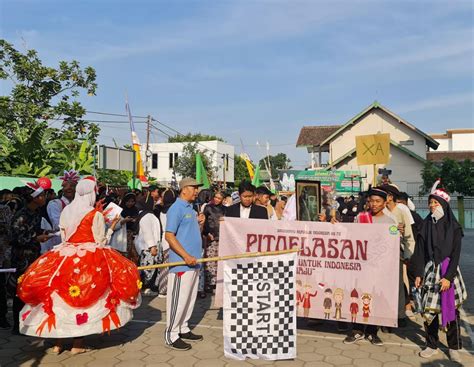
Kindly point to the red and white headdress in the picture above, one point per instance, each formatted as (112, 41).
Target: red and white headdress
(439, 192)
(71, 175)
(37, 189)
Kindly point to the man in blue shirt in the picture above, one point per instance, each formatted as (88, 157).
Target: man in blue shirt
(183, 233)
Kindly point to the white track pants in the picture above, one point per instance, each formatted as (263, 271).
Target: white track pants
(181, 296)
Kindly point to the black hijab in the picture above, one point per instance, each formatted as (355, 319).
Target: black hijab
(169, 197)
(129, 212)
(439, 237)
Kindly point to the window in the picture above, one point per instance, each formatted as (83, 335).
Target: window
(173, 157)
(407, 142)
(154, 161)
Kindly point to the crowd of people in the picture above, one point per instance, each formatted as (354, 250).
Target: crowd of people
(160, 224)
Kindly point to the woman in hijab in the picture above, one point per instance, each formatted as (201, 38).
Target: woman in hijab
(436, 261)
(130, 214)
(148, 243)
(82, 286)
(213, 212)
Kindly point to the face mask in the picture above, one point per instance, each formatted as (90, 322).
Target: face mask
(437, 214)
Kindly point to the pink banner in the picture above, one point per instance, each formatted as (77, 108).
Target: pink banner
(345, 272)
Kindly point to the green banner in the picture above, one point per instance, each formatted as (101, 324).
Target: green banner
(346, 182)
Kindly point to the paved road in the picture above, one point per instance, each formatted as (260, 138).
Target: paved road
(140, 343)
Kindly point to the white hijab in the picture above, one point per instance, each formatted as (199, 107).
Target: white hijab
(83, 203)
(289, 213)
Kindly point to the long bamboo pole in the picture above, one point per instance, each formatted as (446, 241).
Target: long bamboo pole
(221, 258)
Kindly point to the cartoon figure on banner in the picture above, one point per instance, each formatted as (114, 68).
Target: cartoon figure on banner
(299, 296)
(366, 299)
(338, 297)
(354, 308)
(306, 299)
(327, 303)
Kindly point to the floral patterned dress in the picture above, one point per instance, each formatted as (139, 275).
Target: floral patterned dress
(80, 287)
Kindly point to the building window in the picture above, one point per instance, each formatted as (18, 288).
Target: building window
(173, 157)
(407, 142)
(154, 161)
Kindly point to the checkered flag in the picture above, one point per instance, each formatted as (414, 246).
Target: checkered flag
(259, 307)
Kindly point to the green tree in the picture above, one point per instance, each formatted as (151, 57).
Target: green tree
(114, 177)
(190, 138)
(240, 170)
(456, 178)
(277, 162)
(38, 95)
(185, 165)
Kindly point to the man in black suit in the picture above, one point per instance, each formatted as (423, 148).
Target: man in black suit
(246, 208)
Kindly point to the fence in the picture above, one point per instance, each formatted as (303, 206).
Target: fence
(421, 203)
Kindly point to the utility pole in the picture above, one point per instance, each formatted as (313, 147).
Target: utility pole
(147, 151)
(224, 168)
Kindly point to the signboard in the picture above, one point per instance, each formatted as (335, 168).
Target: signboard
(116, 159)
(347, 182)
(373, 149)
(345, 272)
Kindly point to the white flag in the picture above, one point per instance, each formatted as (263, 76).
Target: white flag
(259, 307)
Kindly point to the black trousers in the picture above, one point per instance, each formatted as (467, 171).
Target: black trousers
(17, 306)
(369, 329)
(3, 297)
(453, 335)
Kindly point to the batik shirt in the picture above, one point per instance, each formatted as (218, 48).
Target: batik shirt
(26, 225)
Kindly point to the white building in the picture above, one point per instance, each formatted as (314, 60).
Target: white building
(456, 144)
(408, 146)
(455, 140)
(164, 155)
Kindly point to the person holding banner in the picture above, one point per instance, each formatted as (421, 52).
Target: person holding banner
(436, 261)
(183, 233)
(377, 201)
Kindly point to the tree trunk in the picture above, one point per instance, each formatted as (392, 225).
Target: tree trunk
(461, 211)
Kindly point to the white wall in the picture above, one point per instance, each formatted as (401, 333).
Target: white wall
(462, 141)
(406, 171)
(215, 150)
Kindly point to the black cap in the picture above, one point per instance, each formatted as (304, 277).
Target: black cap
(378, 192)
(390, 189)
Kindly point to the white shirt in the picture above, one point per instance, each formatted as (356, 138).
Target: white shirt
(244, 212)
(149, 234)
(54, 209)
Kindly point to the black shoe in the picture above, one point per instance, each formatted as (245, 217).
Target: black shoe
(190, 336)
(180, 345)
(351, 339)
(386, 329)
(375, 340)
(4, 324)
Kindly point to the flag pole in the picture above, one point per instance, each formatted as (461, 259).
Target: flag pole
(221, 258)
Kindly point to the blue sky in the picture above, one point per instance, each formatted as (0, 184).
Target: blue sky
(259, 70)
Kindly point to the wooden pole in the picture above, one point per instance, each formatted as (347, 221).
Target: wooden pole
(221, 258)
(374, 181)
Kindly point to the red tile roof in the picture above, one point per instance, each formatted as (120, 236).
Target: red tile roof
(457, 156)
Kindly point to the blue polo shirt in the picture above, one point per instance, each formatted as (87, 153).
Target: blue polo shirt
(181, 220)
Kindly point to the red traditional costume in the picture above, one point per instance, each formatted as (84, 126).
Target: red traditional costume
(82, 286)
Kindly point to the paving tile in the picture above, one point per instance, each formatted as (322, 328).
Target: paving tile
(131, 356)
(384, 357)
(338, 360)
(309, 357)
(365, 362)
(183, 361)
(212, 362)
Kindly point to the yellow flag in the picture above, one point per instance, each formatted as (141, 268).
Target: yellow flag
(373, 149)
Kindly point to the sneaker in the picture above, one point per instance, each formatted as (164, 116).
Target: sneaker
(162, 295)
(149, 293)
(375, 340)
(351, 339)
(190, 336)
(428, 352)
(4, 324)
(455, 356)
(180, 345)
